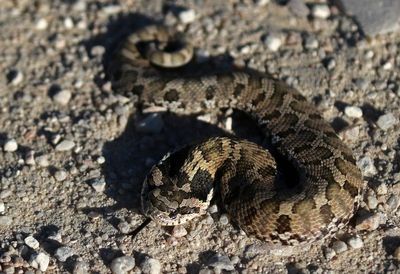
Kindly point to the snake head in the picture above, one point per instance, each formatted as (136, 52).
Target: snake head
(167, 196)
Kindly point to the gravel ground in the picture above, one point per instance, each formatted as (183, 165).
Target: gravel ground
(73, 153)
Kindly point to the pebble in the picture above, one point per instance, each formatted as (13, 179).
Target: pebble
(386, 121)
(60, 175)
(179, 231)
(366, 164)
(393, 202)
(42, 24)
(99, 185)
(97, 50)
(320, 11)
(329, 253)
(339, 247)
(396, 253)
(68, 23)
(350, 133)
(299, 8)
(187, 16)
(81, 268)
(355, 242)
(30, 158)
(62, 97)
(224, 220)
(331, 64)
(372, 202)
(311, 42)
(63, 253)
(65, 145)
(124, 227)
(31, 242)
(5, 193)
(153, 124)
(213, 209)
(273, 41)
(39, 261)
(221, 262)
(150, 266)
(42, 161)
(369, 222)
(10, 145)
(16, 77)
(5, 220)
(2, 207)
(361, 83)
(353, 112)
(101, 160)
(261, 3)
(382, 189)
(122, 264)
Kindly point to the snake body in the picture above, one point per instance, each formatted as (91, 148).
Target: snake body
(318, 200)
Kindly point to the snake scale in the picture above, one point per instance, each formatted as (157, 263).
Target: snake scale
(244, 175)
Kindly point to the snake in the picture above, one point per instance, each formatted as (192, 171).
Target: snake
(318, 197)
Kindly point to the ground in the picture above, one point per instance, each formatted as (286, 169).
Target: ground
(74, 153)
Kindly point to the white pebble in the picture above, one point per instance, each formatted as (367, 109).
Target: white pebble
(2, 207)
(386, 121)
(68, 23)
(60, 175)
(63, 253)
(339, 247)
(382, 189)
(224, 220)
(39, 261)
(31, 242)
(62, 97)
(42, 24)
(99, 185)
(10, 145)
(273, 42)
(355, 242)
(261, 3)
(353, 112)
(179, 231)
(101, 160)
(17, 78)
(65, 145)
(329, 253)
(213, 209)
(42, 161)
(30, 158)
(150, 266)
(122, 265)
(367, 166)
(372, 202)
(320, 11)
(187, 16)
(387, 66)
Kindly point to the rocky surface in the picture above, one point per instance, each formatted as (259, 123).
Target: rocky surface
(73, 154)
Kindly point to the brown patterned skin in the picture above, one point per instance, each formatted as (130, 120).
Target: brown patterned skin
(243, 174)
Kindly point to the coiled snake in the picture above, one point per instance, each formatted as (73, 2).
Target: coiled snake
(242, 174)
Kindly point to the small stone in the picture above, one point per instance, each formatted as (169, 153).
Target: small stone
(153, 123)
(331, 64)
(81, 268)
(15, 77)
(369, 222)
(382, 189)
(5, 221)
(386, 121)
(68, 23)
(124, 227)
(396, 253)
(372, 202)
(361, 83)
(39, 261)
(62, 97)
(30, 158)
(221, 262)
(2, 207)
(65, 145)
(329, 253)
(350, 133)
(339, 247)
(99, 185)
(31, 242)
(101, 160)
(366, 164)
(261, 3)
(42, 161)
(187, 16)
(320, 11)
(353, 112)
(311, 43)
(299, 8)
(224, 220)
(10, 145)
(63, 253)
(150, 266)
(60, 175)
(122, 265)
(97, 50)
(387, 66)
(213, 209)
(228, 123)
(179, 231)
(273, 41)
(42, 24)
(355, 242)
(5, 193)
(393, 202)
